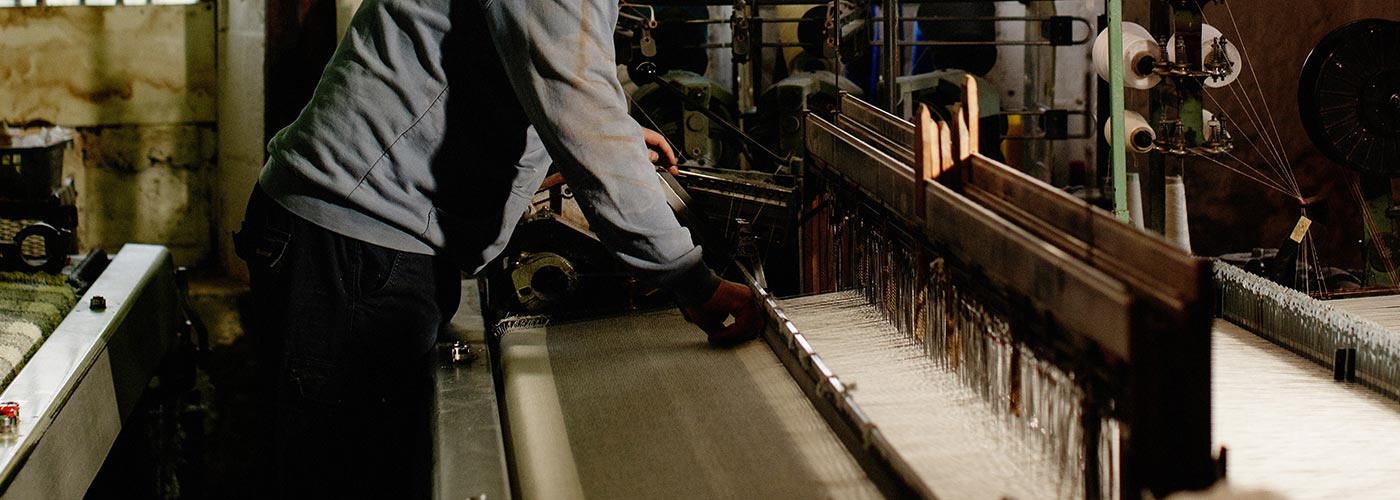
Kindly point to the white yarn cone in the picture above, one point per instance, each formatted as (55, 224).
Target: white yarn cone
(1177, 230)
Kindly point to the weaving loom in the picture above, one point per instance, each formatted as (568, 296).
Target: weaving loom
(1294, 429)
(1034, 300)
(967, 333)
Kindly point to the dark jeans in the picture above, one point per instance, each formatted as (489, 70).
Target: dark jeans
(344, 332)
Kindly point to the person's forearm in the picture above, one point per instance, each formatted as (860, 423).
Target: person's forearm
(559, 57)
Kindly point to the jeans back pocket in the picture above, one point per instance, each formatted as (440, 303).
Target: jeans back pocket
(261, 247)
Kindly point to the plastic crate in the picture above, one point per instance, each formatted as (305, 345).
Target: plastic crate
(31, 173)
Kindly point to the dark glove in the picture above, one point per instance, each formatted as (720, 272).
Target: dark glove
(730, 299)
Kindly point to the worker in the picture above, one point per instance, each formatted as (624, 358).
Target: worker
(427, 136)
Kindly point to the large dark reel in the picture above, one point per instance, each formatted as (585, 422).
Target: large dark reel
(1349, 96)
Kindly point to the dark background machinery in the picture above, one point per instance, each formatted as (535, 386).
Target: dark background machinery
(1349, 104)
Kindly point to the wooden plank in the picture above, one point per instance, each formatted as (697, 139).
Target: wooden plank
(1148, 263)
(1010, 256)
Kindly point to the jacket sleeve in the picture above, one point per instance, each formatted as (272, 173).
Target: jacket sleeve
(558, 55)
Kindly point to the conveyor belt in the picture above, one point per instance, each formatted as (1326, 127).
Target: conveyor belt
(1290, 428)
(31, 306)
(641, 407)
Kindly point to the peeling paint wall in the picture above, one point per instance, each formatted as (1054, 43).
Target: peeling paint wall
(146, 184)
(242, 44)
(140, 85)
(84, 66)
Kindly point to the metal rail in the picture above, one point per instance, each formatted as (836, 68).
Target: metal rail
(832, 398)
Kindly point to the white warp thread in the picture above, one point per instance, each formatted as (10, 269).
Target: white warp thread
(945, 430)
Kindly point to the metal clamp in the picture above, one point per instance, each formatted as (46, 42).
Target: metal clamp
(55, 256)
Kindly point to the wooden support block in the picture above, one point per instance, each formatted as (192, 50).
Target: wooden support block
(964, 149)
(972, 112)
(928, 157)
(945, 145)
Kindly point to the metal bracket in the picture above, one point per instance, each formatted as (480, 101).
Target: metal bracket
(56, 243)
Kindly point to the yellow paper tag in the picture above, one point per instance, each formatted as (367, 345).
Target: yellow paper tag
(1300, 230)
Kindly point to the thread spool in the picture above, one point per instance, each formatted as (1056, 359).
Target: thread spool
(1135, 200)
(1177, 231)
(1208, 35)
(1140, 52)
(1140, 134)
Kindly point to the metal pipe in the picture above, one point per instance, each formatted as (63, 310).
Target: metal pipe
(943, 43)
(893, 66)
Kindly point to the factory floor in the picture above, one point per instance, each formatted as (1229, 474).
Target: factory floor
(191, 437)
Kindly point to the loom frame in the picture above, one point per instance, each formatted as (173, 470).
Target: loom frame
(1151, 312)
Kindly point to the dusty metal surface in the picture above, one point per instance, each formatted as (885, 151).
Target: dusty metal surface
(468, 435)
(87, 377)
(469, 440)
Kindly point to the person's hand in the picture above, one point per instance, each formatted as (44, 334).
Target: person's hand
(730, 299)
(659, 151)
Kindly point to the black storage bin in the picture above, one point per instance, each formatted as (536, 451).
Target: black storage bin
(31, 173)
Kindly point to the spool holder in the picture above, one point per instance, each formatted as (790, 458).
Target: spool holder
(1216, 64)
(1171, 139)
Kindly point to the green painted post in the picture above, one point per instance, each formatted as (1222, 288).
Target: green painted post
(1115, 102)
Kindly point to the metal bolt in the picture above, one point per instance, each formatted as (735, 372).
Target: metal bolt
(462, 352)
(98, 303)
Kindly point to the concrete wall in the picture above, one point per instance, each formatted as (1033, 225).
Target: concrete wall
(168, 104)
(242, 42)
(140, 85)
